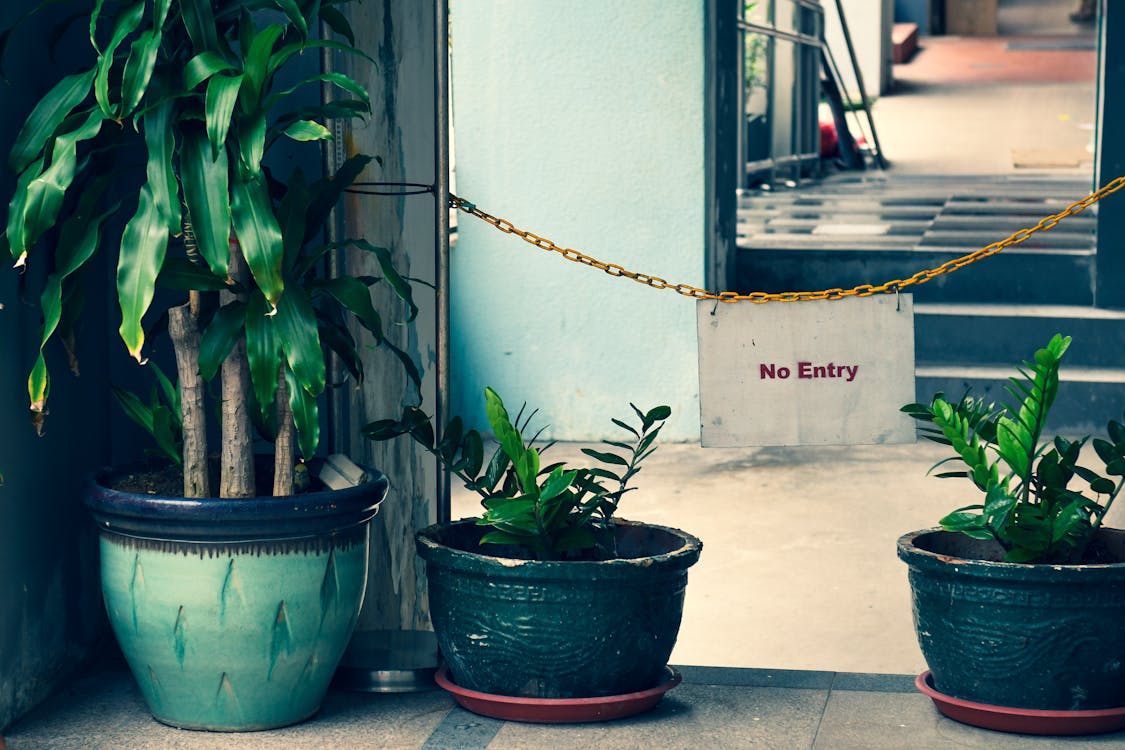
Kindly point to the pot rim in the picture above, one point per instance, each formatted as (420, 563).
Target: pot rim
(212, 519)
(682, 557)
(923, 560)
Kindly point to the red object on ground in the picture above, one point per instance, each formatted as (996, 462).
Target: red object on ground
(1022, 720)
(829, 142)
(558, 710)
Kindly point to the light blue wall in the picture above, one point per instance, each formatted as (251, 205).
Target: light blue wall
(582, 122)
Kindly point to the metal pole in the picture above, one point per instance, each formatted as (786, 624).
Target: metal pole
(441, 227)
(879, 158)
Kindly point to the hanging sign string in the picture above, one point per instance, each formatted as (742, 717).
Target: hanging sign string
(863, 290)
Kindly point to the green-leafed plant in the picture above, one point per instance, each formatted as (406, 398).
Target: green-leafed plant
(1029, 506)
(551, 510)
(155, 149)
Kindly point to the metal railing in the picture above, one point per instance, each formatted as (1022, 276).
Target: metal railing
(779, 134)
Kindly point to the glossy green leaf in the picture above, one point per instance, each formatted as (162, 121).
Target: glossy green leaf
(338, 80)
(204, 172)
(604, 457)
(220, 336)
(338, 22)
(128, 20)
(142, 60)
(295, 327)
(143, 245)
(386, 264)
(164, 432)
(222, 95)
(48, 114)
(291, 214)
(252, 133)
(285, 52)
(263, 351)
(307, 130)
(293, 13)
(44, 194)
(257, 63)
(259, 234)
(204, 65)
(305, 416)
(326, 193)
(182, 274)
(354, 295)
(199, 21)
(161, 171)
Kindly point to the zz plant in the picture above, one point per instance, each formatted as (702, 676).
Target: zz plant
(553, 511)
(1029, 506)
(155, 149)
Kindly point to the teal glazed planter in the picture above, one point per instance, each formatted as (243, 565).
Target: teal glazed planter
(1048, 637)
(233, 614)
(569, 629)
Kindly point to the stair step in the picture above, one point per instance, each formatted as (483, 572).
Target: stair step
(1017, 275)
(1008, 334)
(1087, 398)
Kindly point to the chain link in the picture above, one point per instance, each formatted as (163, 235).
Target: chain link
(863, 290)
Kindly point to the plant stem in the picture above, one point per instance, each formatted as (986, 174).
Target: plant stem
(283, 445)
(183, 329)
(237, 456)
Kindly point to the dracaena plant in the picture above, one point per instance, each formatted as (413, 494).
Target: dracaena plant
(550, 510)
(155, 149)
(1029, 505)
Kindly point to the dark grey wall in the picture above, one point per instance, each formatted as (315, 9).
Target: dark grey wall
(50, 608)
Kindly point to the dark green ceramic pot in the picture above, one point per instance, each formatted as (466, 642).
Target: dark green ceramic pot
(233, 614)
(557, 629)
(1046, 637)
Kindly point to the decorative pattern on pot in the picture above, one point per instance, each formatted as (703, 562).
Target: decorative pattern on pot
(235, 634)
(572, 629)
(1017, 635)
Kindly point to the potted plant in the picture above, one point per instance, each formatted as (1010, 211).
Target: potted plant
(548, 602)
(1019, 598)
(231, 606)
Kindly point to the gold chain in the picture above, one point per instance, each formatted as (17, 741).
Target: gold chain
(863, 290)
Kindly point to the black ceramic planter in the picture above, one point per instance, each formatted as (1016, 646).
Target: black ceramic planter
(557, 629)
(233, 614)
(1048, 637)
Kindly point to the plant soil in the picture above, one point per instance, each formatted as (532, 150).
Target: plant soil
(157, 477)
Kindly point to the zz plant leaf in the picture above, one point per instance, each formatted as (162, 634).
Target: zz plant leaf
(551, 511)
(1029, 508)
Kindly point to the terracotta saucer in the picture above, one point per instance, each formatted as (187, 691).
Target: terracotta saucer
(558, 710)
(1022, 720)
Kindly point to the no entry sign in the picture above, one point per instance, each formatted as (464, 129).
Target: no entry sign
(806, 373)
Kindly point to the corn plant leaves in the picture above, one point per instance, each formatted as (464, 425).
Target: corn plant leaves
(305, 416)
(50, 112)
(354, 295)
(143, 246)
(259, 234)
(307, 130)
(128, 20)
(43, 195)
(199, 21)
(221, 97)
(203, 173)
(219, 337)
(204, 65)
(263, 351)
(160, 142)
(295, 327)
(142, 60)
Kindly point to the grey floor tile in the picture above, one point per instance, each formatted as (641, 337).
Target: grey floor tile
(895, 721)
(691, 717)
(104, 710)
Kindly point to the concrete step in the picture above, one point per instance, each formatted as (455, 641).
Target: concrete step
(1008, 334)
(1087, 399)
(1018, 275)
(977, 348)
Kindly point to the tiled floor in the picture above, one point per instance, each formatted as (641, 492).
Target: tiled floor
(714, 709)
